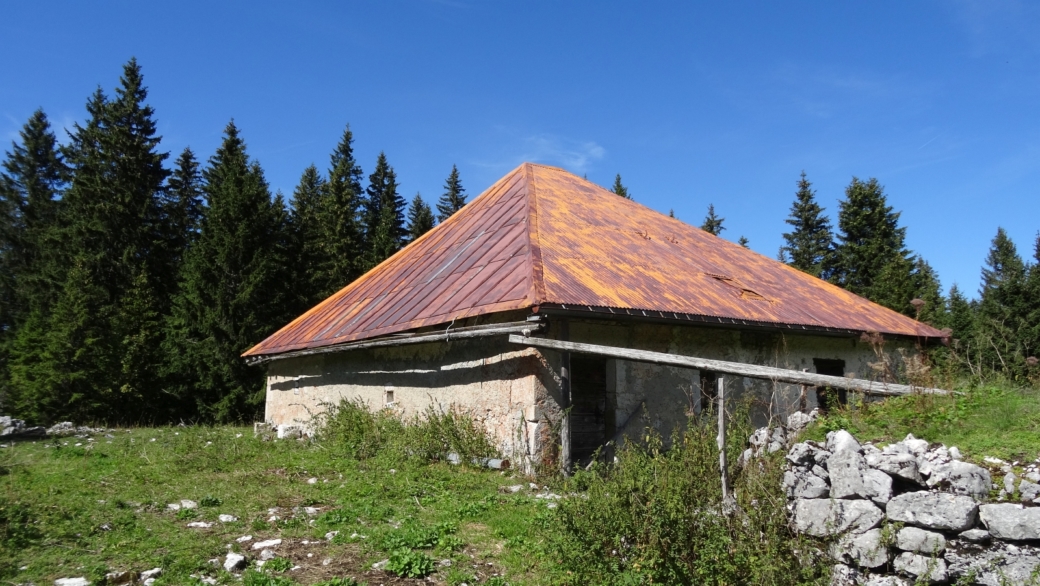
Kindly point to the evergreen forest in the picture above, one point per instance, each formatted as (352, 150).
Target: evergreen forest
(131, 280)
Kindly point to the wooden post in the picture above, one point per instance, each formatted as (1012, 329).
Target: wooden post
(565, 402)
(803, 402)
(722, 436)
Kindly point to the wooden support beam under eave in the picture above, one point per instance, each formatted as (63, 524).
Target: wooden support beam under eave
(780, 375)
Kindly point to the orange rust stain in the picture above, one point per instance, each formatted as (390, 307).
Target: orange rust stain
(541, 235)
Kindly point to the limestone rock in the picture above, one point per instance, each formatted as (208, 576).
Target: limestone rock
(1009, 481)
(234, 561)
(917, 447)
(961, 478)
(878, 580)
(117, 578)
(826, 517)
(914, 539)
(227, 518)
(865, 549)
(800, 483)
(955, 453)
(267, 544)
(842, 575)
(267, 554)
(806, 454)
(798, 421)
(153, 573)
(933, 510)
(925, 569)
(821, 472)
(72, 582)
(841, 440)
(1011, 521)
(976, 536)
(1001, 565)
(1028, 491)
(851, 477)
(900, 465)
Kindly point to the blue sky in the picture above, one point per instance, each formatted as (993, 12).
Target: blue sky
(693, 103)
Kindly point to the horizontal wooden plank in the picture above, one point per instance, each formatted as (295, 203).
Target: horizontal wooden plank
(780, 375)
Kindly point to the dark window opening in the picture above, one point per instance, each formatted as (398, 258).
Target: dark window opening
(827, 397)
(709, 390)
(592, 413)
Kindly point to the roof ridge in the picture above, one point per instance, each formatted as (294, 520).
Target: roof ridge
(534, 239)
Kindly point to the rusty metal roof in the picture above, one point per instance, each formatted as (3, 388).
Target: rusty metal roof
(542, 236)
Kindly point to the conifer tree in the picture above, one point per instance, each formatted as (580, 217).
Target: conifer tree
(1002, 330)
(743, 241)
(233, 290)
(112, 236)
(181, 212)
(961, 315)
(713, 223)
(420, 218)
(453, 198)
(341, 226)
(620, 189)
(808, 244)
(309, 245)
(32, 176)
(385, 230)
(869, 242)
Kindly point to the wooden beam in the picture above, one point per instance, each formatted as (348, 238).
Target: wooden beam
(566, 459)
(412, 338)
(780, 375)
(721, 440)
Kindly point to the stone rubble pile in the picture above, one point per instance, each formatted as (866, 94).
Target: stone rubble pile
(12, 429)
(908, 513)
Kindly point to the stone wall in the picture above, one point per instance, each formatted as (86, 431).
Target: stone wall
(909, 512)
(515, 391)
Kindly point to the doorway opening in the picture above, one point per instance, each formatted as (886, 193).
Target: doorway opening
(828, 397)
(592, 406)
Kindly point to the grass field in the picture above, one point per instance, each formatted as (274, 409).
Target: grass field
(87, 506)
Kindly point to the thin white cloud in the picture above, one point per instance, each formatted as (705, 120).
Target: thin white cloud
(577, 156)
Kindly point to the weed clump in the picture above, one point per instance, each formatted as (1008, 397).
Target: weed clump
(657, 516)
(350, 429)
(408, 563)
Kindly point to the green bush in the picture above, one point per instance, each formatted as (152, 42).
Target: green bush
(657, 516)
(278, 565)
(350, 429)
(410, 564)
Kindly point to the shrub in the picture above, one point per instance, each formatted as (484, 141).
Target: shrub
(353, 430)
(410, 564)
(657, 516)
(278, 565)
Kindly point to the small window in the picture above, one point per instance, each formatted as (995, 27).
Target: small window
(388, 396)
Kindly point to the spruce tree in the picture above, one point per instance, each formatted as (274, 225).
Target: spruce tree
(743, 241)
(182, 208)
(869, 242)
(341, 227)
(233, 290)
(385, 231)
(713, 223)
(112, 235)
(1003, 330)
(453, 198)
(808, 244)
(309, 244)
(420, 218)
(32, 177)
(620, 189)
(961, 316)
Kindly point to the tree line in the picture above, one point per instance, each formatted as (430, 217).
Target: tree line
(997, 334)
(130, 286)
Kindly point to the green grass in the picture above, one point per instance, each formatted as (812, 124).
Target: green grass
(74, 507)
(991, 420)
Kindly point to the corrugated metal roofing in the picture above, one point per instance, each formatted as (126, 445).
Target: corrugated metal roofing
(541, 235)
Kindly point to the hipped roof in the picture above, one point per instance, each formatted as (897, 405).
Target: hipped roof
(541, 236)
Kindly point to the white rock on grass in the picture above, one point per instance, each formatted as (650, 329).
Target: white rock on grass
(927, 570)
(234, 561)
(865, 550)
(1028, 491)
(200, 525)
(934, 510)
(917, 540)
(331, 535)
(189, 504)
(825, 517)
(380, 564)
(851, 477)
(955, 453)
(227, 518)
(267, 544)
(72, 582)
(1011, 521)
(119, 577)
(153, 573)
(244, 538)
(267, 554)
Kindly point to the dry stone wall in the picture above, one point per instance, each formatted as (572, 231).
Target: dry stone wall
(909, 512)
